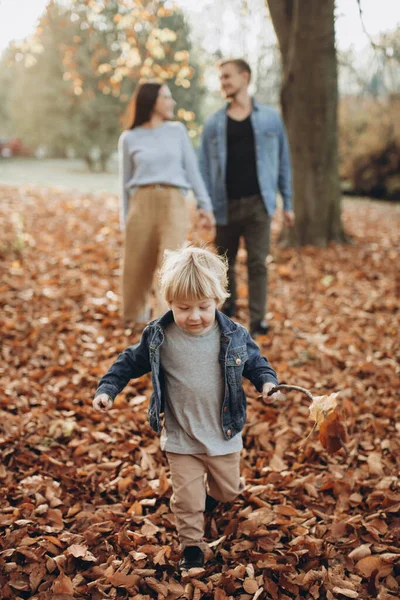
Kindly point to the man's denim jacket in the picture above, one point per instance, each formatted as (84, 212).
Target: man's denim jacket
(272, 156)
(239, 356)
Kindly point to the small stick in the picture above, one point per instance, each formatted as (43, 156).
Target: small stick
(283, 386)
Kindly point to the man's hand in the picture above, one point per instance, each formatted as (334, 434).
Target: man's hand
(206, 218)
(288, 218)
(102, 403)
(267, 387)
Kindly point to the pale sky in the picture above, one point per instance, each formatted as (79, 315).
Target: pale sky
(18, 18)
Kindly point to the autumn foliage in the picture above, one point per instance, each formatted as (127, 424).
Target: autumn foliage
(84, 507)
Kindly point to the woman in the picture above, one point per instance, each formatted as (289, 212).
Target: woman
(157, 166)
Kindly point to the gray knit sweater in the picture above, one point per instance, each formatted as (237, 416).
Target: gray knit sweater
(194, 393)
(160, 155)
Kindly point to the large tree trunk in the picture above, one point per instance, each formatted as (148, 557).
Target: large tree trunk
(309, 95)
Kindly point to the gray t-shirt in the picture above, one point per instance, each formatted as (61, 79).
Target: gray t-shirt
(194, 384)
(160, 155)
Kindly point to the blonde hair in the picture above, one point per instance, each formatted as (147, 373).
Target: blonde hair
(191, 273)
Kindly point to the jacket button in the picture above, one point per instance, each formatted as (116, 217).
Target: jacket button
(238, 361)
(229, 432)
(225, 408)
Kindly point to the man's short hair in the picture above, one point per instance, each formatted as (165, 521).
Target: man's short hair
(240, 64)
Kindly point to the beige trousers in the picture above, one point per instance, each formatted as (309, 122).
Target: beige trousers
(192, 477)
(158, 220)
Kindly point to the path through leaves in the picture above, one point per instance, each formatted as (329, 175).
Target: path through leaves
(84, 497)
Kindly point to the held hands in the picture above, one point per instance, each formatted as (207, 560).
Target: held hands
(288, 218)
(267, 387)
(102, 403)
(206, 219)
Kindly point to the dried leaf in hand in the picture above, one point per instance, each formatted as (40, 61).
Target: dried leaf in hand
(322, 406)
(332, 433)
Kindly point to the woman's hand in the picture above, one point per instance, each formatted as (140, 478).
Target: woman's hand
(102, 403)
(206, 218)
(267, 387)
(288, 218)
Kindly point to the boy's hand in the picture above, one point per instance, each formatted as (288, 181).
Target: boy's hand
(267, 387)
(102, 403)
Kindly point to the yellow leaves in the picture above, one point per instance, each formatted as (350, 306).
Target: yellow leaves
(132, 58)
(321, 407)
(185, 83)
(186, 115)
(165, 35)
(181, 55)
(30, 61)
(156, 41)
(104, 68)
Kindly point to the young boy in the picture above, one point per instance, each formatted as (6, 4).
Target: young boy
(197, 357)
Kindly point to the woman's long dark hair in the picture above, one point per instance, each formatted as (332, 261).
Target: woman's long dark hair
(144, 99)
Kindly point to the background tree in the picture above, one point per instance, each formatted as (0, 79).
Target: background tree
(6, 77)
(80, 68)
(309, 97)
(40, 100)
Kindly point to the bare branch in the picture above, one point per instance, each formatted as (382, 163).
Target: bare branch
(374, 45)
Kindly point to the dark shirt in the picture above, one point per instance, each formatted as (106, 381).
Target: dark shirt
(241, 168)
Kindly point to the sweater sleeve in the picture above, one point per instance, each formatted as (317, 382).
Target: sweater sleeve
(193, 173)
(125, 174)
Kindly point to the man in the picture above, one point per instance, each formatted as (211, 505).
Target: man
(244, 160)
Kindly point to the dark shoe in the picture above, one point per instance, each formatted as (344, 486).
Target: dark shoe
(260, 328)
(211, 503)
(193, 558)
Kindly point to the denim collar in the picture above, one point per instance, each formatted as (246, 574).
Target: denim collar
(256, 105)
(226, 325)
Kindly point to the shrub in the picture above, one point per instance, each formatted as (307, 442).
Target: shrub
(369, 146)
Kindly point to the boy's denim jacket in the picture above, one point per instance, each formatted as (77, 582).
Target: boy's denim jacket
(272, 159)
(239, 356)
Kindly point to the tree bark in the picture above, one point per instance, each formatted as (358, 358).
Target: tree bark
(309, 98)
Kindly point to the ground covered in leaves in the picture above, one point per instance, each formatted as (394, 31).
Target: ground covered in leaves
(84, 497)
